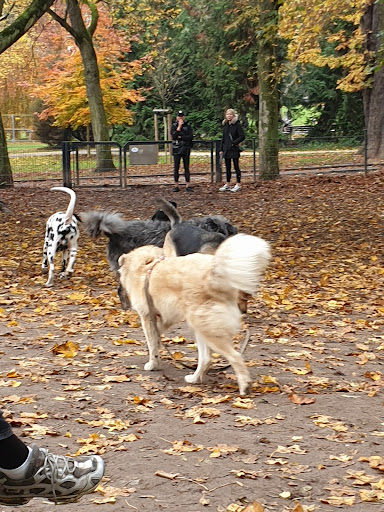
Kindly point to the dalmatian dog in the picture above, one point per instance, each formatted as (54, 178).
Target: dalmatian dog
(61, 234)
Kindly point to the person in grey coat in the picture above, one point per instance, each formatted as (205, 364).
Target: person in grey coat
(233, 135)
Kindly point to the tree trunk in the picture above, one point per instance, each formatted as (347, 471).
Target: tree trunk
(372, 25)
(83, 39)
(8, 37)
(268, 92)
(6, 179)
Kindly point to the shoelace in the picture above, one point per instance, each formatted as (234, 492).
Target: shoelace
(55, 467)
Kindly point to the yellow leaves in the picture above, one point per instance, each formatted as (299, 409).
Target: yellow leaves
(15, 399)
(295, 448)
(99, 444)
(197, 413)
(372, 496)
(341, 458)
(178, 339)
(116, 378)
(219, 399)
(340, 501)
(110, 494)
(325, 421)
(375, 376)
(374, 461)
(179, 447)
(246, 420)
(221, 450)
(244, 403)
(68, 349)
(77, 297)
(125, 342)
(10, 383)
(255, 506)
(302, 371)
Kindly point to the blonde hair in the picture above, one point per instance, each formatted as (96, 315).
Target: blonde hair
(230, 111)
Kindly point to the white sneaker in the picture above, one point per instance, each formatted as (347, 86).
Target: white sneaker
(54, 477)
(224, 188)
(236, 188)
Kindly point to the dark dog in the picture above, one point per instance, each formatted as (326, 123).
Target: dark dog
(160, 215)
(187, 237)
(124, 236)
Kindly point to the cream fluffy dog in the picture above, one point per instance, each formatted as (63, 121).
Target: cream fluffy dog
(199, 288)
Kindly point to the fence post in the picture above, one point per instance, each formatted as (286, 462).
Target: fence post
(218, 162)
(365, 151)
(66, 158)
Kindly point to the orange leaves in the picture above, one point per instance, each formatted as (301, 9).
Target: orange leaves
(63, 88)
(68, 349)
(297, 400)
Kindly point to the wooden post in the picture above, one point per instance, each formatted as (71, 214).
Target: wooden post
(156, 127)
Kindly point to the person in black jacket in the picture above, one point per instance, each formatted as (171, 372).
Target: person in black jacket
(181, 133)
(233, 135)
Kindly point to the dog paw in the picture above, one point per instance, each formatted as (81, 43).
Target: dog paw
(151, 365)
(49, 284)
(245, 389)
(191, 379)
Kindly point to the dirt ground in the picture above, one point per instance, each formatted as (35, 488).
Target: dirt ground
(310, 435)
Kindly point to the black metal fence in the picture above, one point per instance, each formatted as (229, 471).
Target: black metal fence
(83, 164)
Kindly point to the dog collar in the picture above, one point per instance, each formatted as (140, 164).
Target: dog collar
(149, 271)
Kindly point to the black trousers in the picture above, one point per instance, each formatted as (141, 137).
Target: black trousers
(228, 169)
(5, 428)
(176, 165)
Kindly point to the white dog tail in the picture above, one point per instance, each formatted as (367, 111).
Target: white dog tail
(72, 202)
(240, 262)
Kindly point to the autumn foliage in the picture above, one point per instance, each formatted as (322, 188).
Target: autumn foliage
(62, 87)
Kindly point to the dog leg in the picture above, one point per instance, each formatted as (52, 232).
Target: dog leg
(153, 341)
(64, 263)
(44, 265)
(225, 348)
(72, 258)
(204, 361)
(51, 252)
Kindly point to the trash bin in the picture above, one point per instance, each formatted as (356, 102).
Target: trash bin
(143, 154)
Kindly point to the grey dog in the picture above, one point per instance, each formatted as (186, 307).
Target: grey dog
(124, 236)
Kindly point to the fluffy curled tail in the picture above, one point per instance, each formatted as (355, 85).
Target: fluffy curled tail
(72, 203)
(97, 223)
(170, 211)
(240, 262)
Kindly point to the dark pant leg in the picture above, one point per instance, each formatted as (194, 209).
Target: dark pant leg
(176, 167)
(228, 169)
(186, 159)
(5, 428)
(13, 452)
(237, 169)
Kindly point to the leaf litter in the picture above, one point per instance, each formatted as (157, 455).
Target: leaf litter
(309, 436)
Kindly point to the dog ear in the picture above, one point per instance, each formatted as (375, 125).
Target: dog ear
(121, 260)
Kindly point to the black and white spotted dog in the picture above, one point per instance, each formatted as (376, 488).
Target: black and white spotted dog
(61, 234)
